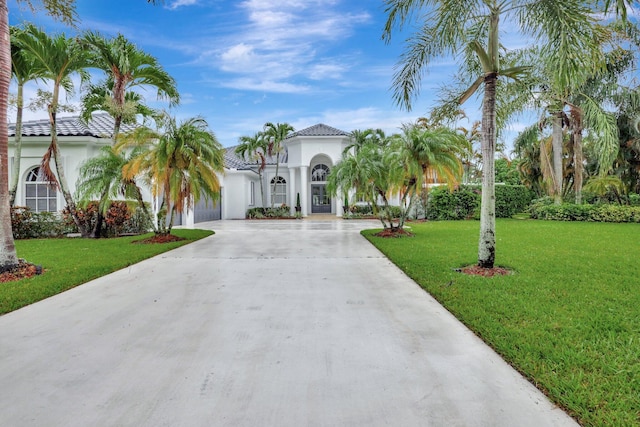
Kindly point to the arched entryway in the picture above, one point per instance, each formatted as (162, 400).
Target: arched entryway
(320, 199)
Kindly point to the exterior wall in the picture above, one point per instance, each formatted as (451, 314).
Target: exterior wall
(74, 151)
(236, 193)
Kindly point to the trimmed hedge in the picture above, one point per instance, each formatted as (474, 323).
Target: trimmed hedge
(592, 213)
(464, 202)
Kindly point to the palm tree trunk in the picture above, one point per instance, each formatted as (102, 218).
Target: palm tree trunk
(62, 179)
(558, 175)
(8, 257)
(487, 243)
(17, 153)
(578, 157)
(260, 175)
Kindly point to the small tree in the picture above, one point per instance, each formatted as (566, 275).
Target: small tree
(180, 164)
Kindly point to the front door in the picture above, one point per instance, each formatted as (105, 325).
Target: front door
(320, 200)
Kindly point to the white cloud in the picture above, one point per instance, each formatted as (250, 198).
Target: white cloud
(281, 41)
(178, 3)
(265, 86)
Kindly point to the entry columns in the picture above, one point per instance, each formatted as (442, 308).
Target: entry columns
(304, 186)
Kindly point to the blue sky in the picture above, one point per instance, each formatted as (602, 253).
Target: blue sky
(240, 64)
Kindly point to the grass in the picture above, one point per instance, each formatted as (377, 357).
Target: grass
(568, 319)
(71, 262)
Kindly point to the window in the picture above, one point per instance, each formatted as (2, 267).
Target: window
(319, 173)
(279, 196)
(252, 193)
(40, 195)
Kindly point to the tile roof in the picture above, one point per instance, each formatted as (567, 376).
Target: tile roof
(319, 130)
(100, 126)
(232, 161)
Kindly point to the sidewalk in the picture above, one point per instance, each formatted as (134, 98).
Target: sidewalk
(266, 323)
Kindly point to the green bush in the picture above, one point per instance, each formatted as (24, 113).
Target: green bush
(464, 202)
(27, 224)
(444, 204)
(594, 213)
(261, 213)
(119, 219)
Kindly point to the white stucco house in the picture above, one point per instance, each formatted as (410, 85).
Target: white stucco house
(308, 157)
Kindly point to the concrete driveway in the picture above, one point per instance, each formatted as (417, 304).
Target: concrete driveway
(269, 323)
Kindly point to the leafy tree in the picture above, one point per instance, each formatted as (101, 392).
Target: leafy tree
(126, 67)
(275, 133)
(180, 164)
(254, 148)
(454, 27)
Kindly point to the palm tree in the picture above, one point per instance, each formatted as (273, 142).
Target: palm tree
(455, 27)
(374, 171)
(274, 135)
(56, 58)
(254, 149)
(359, 138)
(102, 175)
(126, 67)
(65, 12)
(181, 164)
(23, 71)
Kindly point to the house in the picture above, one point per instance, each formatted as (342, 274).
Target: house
(308, 157)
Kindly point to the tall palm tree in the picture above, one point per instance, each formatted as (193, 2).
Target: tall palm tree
(254, 149)
(181, 164)
(56, 58)
(454, 27)
(126, 67)
(23, 72)
(275, 133)
(65, 12)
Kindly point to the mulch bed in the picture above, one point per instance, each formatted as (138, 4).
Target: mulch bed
(159, 238)
(475, 270)
(23, 270)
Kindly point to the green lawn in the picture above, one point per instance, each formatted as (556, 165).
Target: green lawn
(71, 262)
(568, 319)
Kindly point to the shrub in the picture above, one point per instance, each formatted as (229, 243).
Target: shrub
(276, 212)
(119, 218)
(595, 213)
(461, 203)
(27, 224)
(464, 202)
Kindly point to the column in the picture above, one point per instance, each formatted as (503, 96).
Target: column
(292, 191)
(304, 187)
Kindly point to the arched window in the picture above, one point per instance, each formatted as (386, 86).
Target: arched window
(319, 173)
(279, 193)
(40, 195)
